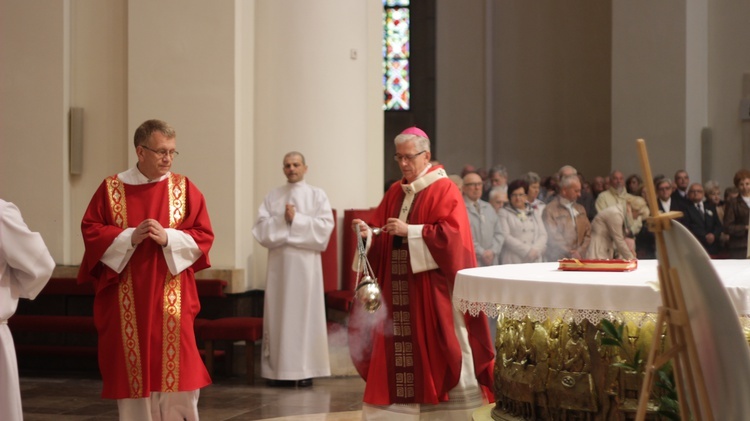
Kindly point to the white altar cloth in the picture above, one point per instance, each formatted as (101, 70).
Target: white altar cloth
(540, 291)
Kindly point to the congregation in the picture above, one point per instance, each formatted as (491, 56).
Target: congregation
(565, 215)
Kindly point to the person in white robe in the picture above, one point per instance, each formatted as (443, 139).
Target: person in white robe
(295, 223)
(25, 268)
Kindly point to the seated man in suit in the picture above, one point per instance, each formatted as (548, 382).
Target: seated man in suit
(702, 219)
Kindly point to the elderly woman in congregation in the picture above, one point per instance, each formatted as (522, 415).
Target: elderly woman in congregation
(525, 235)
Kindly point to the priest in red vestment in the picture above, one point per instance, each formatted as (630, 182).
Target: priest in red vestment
(418, 354)
(146, 232)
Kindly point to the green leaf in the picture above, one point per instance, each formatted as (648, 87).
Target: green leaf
(637, 361)
(610, 330)
(625, 365)
(610, 341)
(669, 408)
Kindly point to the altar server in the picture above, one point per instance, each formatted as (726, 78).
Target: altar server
(295, 223)
(25, 268)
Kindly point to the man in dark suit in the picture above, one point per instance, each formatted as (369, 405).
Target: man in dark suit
(645, 241)
(680, 188)
(702, 219)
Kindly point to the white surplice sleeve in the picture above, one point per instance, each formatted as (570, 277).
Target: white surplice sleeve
(311, 227)
(180, 252)
(26, 264)
(118, 253)
(420, 256)
(270, 230)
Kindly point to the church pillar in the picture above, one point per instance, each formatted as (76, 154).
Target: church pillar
(34, 101)
(659, 84)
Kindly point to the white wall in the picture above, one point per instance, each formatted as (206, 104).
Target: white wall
(244, 141)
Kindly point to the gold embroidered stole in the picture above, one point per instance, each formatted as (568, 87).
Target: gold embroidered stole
(404, 343)
(172, 295)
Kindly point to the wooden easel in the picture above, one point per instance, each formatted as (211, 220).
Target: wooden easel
(682, 348)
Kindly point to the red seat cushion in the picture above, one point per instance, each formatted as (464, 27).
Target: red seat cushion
(67, 286)
(51, 323)
(210, 287)
(339, 300)
(57, 351)
(232, 328)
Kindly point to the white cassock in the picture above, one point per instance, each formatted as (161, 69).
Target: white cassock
(295, 340)
(25, 268)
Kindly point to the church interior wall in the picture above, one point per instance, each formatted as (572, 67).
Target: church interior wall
(649, 85)
(33, 116)
(98, 85)
(728, 83)
(246, 81)
(460, 89)
(552, 67)
(524, 84)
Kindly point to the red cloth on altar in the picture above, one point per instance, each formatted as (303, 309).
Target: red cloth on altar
(162, 356)
(433, 348)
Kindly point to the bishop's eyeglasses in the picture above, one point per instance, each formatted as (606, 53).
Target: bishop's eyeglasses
(398, 157)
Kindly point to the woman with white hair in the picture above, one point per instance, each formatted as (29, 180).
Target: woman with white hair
(610, 228)
(525, 235)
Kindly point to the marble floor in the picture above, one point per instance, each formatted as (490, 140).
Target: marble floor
(76, 397)
(65, 395)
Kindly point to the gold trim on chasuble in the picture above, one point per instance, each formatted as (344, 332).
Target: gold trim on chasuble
(172, 296)
(170, 380)
(128, 324)
(403, 342)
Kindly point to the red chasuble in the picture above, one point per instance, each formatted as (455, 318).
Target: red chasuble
(144, 315)
(408, 351)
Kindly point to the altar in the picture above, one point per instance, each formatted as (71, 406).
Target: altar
(554, 358)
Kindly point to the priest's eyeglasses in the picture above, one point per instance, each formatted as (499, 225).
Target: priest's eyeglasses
(162, 153)
(398, 157)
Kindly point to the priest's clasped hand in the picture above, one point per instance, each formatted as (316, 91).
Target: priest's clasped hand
(149, 228)
(289, 213)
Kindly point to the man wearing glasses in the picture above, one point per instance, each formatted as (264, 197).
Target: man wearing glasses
(146, 231)
(485, 229)
(417, 353)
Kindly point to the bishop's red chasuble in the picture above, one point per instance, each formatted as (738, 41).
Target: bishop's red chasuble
(144, 315)
(408, 351)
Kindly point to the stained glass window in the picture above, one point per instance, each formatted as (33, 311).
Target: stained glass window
(396, 54)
